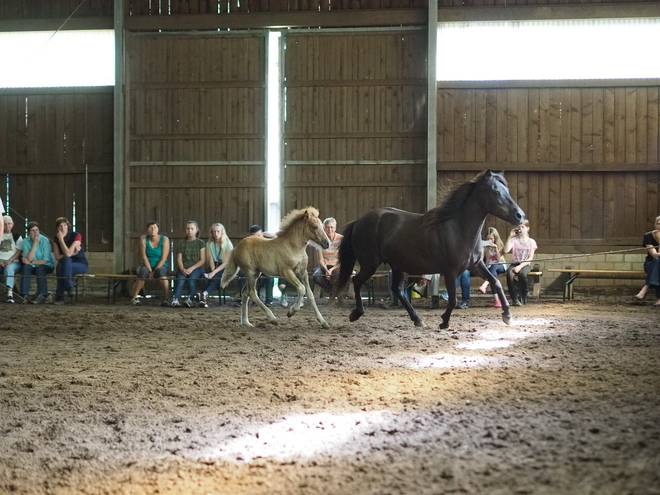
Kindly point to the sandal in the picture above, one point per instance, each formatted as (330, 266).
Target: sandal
(638, 298)
(656, 305)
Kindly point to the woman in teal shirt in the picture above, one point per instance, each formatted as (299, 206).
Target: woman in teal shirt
(38, 260)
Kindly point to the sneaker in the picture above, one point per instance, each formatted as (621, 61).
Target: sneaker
(188, 303)
(463, 305)
(523, 300)
(40, 299)
(445, 296)
(70, 295)
(516, 302)
(136, 302)
(10, 299)
(166, 303)
(497, 303)
(175, 303)
(59, 301)
(202, 301)
(269, 304)
(23, 299)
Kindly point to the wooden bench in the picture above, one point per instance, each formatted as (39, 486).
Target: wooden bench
(571, 274)
(114, 281)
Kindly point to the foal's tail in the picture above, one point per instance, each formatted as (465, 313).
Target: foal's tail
(346, 259)
(231, 270)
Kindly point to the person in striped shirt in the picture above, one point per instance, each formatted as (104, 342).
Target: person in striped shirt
(326, 274)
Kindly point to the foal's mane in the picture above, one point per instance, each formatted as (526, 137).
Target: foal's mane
(456, 198)
(293, 216)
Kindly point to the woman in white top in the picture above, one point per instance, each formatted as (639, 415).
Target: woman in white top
(522, 249)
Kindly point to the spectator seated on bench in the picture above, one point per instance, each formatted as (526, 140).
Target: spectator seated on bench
(38, 260)
(651, 241)
(154, 253)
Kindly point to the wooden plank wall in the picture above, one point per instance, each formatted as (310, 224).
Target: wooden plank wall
(167, 7)
(582, 162)
(354, 135)
(56, 149)
(197, 133)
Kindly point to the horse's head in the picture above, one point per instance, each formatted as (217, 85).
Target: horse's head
(493, 190)
(314, 228)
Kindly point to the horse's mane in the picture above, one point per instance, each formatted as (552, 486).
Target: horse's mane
(456, 197)
(293, 216)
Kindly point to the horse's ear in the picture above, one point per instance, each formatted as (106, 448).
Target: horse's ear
(488, 174)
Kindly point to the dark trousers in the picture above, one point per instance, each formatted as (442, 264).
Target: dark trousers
(66, 269)
(40, 271)
(652, 269)
(517, 283)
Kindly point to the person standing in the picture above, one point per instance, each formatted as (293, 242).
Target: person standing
(522, 249)
(11, 248)
(70, 255)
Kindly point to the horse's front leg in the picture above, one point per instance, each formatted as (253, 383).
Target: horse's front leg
(397, 290)
(312, 300)
(252, 289)
(481, 270)
(450, 281)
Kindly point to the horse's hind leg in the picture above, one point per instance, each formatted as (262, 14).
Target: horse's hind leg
(358, 281)
(397, 290)
(255, 297)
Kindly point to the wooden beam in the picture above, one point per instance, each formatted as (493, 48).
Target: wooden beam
(559, 83)
(549, 167)
(279, 20)
(549, 12)
(75, 23)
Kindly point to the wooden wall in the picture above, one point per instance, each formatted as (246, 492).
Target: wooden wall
(582, 162)
(56, 150)
(355, 129)
(197, 133)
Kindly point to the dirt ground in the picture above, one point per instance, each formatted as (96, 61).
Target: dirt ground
(112, 399)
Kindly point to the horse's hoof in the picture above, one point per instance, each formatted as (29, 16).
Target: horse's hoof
(355, 315)
(325, 324)
(274, 322)
(290, 313)
(506, 318)
(420, 323)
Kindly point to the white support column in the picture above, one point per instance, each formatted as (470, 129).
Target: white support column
(119, 195)
(431, 109)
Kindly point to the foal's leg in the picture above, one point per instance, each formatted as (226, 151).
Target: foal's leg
(450, 280)
(482, 271)
(397, 290)
(358, 281)
(312, 300)
(252, 290)
(293, 278)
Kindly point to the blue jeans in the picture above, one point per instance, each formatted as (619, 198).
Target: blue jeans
(66, 269)
(652, 269)
(9, 271)
(464, 281)
(190, 280)
(213, 282)
(40, 271)
(495, 270)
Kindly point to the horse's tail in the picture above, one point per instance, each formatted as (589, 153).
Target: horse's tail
(231, 270)
(346, 259)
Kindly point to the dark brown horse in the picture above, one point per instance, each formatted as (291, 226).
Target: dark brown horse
(446, 239)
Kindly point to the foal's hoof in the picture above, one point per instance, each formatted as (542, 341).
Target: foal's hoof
(274, 322)
(290, 313)
(355, 315)
(325, 324)
(506, 318)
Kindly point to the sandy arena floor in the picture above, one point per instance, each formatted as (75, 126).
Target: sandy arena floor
(98, 399)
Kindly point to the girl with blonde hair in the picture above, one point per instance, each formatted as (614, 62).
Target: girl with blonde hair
(494, 259)
(218, 248)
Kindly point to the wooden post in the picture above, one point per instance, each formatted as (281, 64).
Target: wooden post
(119, 194)
(431, 107)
